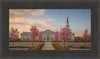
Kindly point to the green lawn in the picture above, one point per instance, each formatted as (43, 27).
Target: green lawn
(51, 41)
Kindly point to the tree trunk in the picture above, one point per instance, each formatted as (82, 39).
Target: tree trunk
(56, 41)
(85, 43)
(64, 44)
(13, 43)
(32, 43)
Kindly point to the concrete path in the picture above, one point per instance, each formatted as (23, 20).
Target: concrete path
(48, 46)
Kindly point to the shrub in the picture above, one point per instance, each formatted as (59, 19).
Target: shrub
(70, 46)
(82, 47)
(58, 47)
(38, 47)
(55, 41)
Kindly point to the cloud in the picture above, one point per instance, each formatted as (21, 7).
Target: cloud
(18, 23)
(78, 33)
(35, 11)
(23, 13)
(43, 24)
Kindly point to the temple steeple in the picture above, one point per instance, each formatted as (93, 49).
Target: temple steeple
(67, 18)
(67, 23)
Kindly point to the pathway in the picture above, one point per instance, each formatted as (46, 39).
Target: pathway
(48, 46)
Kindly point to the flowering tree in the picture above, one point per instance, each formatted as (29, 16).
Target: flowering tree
(86, 36)
(40, 36)
(14, 35)
(34, 33)
(64, 35)
(56, 36)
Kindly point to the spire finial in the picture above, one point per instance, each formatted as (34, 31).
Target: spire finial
(67, 18)
(67, 14)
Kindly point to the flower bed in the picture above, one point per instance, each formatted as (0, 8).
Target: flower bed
(38, 47)
(58, 47)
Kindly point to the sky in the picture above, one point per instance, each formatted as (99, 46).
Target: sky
(52, 19)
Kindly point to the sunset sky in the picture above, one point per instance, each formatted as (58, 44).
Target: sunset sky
(52, 19)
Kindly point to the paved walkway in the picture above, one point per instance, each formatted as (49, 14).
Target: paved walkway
(48, 46)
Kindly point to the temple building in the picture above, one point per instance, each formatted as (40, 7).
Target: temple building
(47, 35)
(25, 36)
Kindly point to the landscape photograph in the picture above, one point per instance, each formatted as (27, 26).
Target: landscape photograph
(49, 29)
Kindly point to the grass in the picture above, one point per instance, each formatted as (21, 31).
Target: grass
(54, 41)
(58, 47)
(74, 41)
(22, 42)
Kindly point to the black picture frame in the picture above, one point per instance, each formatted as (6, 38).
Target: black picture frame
(49, 5)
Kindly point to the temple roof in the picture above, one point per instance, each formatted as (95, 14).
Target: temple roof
(48, 31)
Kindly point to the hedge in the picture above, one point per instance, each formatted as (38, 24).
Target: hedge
(38, 47)
(58, 47)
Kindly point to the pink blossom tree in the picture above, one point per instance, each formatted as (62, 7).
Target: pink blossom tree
(56, 35)
(64, 35)
(86, 36)
(34, 33)
(14, 35)
(40, 36)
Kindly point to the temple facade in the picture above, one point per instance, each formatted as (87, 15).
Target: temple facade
(47, 35)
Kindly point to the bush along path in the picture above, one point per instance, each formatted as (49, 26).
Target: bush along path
(38, 47)
(48, 46)
(58, 47)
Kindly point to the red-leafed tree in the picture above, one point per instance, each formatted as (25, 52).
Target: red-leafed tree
(64, 35)
(56, 35)
(14, 35)
(34, 33)
(40, 36)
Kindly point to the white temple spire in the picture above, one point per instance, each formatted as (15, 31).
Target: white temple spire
(67, 23)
